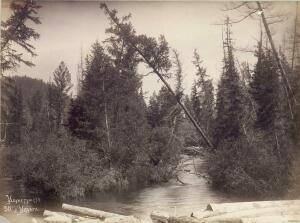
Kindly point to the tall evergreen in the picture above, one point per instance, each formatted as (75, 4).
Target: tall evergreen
(129, 126)
(58, 94)
(195, 102)
(37, 108)
(110, 111)
(264, 88)
(229, 104)
(87, 113)
(153, 111)
(205, 96)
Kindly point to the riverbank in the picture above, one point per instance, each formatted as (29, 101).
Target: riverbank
(172, 197)
(241, 212)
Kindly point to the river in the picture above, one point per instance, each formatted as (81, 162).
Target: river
(173, 197)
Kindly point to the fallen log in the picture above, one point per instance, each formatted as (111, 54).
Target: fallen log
(122, 219)
(273, 219)
(73, 217)
(205, 214)
(91, 221)
(159, 217)
(184, 219)
(235, 217)
(57, 219)
(238, 206)
(89, 212)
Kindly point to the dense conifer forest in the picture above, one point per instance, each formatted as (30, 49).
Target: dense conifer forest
(107, 137)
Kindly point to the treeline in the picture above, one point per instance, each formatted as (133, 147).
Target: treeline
(104, 139)
(108, 138)
(255, 135)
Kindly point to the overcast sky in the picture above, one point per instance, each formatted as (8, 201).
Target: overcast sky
(69, 26)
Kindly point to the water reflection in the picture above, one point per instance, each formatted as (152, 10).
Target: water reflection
(172, 197)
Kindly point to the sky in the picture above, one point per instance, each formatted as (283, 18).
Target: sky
(71, 27)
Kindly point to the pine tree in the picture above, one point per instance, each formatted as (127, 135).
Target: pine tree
(265, 90)
(87, 114)
(154, 53)
(129, 126)
(58, 94)
(35, 107)
(15, 32)
(110, 110)
(205, 96)
(195, 102)
(188, 104)
(176, 113)
(273, 115)
(229, 104)
(153, 111)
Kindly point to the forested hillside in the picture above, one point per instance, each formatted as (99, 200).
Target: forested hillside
(109, 139)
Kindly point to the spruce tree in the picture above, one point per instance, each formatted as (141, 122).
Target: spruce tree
(87, 113)
(153, 111)
(58, 94)
(129, 128)
(264, 88)
(195, 102)
(229, 104)
(36, 110)
(110, 111)
(205, 95)
(16, 35)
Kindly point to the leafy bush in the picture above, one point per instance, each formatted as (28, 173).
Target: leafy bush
(60, 164)
(164, 154)
(67, 167)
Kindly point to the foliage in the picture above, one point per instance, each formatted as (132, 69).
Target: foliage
(11, 112)
(202, 97)
(265, 90)
(15, 33)
(58, 94)
(112, 117)
(229, 104)
(112, 140)
(248, 168)
(66, 160)
(256, 161)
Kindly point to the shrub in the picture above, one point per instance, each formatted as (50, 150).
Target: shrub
(67, 167)
(248, 168)
(61, 165)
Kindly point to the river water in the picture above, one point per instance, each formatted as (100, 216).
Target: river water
(173, 197)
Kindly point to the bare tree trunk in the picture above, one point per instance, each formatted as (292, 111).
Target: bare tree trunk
(295, 37)
(277, 146)
(279, 64)
(106, 118)
(174, 125)
(1, 108)
(129, 42)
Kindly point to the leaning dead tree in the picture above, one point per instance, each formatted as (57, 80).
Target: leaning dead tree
(152, 54)
(279, 64)
(295, 36)
(249, 9)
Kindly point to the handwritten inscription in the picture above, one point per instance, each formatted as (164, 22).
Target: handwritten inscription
(20, 206)
(25, 201)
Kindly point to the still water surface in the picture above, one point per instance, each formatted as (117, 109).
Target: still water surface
(172, 197)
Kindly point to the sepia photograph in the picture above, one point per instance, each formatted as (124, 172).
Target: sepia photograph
(154, 111)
